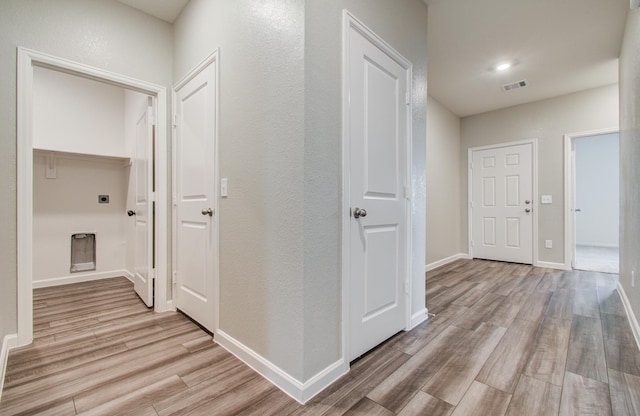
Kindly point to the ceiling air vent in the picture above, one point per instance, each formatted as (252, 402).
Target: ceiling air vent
(514, 85)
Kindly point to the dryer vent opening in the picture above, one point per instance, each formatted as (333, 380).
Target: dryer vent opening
(83, 252)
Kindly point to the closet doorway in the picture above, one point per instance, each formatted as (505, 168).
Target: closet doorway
(91, 180)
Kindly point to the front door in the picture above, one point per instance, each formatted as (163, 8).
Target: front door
(502, 203)
(378, 114)
(195, 120)
(143, 168)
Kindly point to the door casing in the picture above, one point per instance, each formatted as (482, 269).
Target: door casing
(351, 22)
(27, 59)
(534, 179)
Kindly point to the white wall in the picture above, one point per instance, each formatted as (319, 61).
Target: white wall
(98, 33)
(548, 121)
(630, 160)
(261, 131)
(68, 205)
(280, 147)
(443, 183)
(597, 186)
(75, 114)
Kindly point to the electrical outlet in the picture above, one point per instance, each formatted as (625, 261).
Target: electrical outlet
(548, 243)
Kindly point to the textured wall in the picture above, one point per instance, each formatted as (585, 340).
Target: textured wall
(101, 33)
(630, 159)
(261, 112)
(402, 24)
(443, 182)
(69, 204)
(548, 121)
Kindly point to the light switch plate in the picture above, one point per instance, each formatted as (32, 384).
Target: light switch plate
(223, 187)
(548, 243)
(546, 199)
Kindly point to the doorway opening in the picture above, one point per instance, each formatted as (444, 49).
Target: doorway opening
(594, 197)
(67, 173)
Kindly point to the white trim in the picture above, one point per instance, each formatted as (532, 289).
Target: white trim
(418, 318)
(534, 192)
(26, 60)
(8, 342)
(81, 277)
(349, 21)
(635, 328)
(213, 58)
(569, 172)
(551, 265)
(445, 261)
(300, 391)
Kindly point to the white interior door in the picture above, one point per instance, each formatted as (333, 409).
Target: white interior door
(143, 276)
(502, 203)
(195, 196)
(378, 130)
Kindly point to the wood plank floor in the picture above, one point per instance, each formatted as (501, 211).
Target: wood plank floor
(506, 339)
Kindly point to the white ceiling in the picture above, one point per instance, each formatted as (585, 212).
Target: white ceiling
(559, 47)
(166, 10)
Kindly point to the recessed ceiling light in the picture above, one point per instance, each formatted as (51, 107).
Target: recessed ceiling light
(503, 66)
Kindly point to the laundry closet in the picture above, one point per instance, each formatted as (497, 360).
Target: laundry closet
(87, 171)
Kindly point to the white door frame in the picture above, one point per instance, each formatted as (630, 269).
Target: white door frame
(349, 22)
(27, 59)
(569, 190)
(211, 59)
(534, 177)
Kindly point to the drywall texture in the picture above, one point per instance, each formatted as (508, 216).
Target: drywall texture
(403, 25)
(443, 182)
(101, 33)
(280, 146)
(597, 187)
(69, 204)
(261, 129)
(75, 114)
(548, 121)
(630, 159)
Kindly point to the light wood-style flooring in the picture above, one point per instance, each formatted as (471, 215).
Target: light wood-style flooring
(506, 339)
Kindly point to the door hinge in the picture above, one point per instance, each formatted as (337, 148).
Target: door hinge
(154, 274)
(152, 119)
(406, 287)
(407, 98)
(471, 204)
(471, 243)
(406, 192)
(471, 166)
(176, 120)
(174, 277)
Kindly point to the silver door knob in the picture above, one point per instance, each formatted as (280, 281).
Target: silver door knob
(208, 212)
(359, 212)
(527, 210)
(578, 210)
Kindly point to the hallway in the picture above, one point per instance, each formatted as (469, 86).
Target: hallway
(506, 339)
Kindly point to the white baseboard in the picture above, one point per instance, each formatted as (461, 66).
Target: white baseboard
(418, 318)
(9, 341)
(549, 265)
(80, 277)
(635, 328)
(300, 391)
(447, 260)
